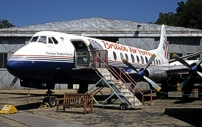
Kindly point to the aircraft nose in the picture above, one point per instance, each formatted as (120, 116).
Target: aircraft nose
(12, 67)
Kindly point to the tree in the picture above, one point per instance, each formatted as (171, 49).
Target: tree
(187, 14)
(5, 24)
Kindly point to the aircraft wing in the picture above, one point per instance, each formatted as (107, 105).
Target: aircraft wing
(187, 56)
(177, 69)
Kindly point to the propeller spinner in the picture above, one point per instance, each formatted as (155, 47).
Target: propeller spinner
(141, 72)
(193, 69)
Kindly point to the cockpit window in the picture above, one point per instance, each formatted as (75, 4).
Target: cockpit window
(55, 41)
(50, 41)
(34, 39)
(42, 39)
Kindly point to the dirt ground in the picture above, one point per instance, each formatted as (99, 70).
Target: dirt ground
(162, 112)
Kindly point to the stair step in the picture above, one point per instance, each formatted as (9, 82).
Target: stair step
(120, 88)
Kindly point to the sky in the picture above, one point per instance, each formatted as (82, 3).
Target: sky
(30, 12)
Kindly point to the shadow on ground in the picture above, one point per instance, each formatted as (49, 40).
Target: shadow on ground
(189, 115)
(28, 106)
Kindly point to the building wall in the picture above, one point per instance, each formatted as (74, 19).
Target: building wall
(8, 45)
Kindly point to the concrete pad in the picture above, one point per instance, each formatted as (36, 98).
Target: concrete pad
(41, 121)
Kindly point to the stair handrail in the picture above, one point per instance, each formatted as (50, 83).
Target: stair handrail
(130, 79)
(118, 77)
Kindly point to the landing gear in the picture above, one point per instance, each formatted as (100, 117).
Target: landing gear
(50, 100)
(83, 88)
(200, 93)
(123, 106)
(187, 92)
(163, 94)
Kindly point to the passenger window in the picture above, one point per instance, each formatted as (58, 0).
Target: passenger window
(114, 54)
(34, 39)
(142, 59)
(146, 59)
(126, 57)
(138, 60)
(132, 58)
(42, 39)
(156, 62)
(121, 56)
(54, 40)
(159, 62)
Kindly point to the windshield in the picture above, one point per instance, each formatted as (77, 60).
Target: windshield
(42, 39)
(34, 39)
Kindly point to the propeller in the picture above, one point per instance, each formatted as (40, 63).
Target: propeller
(141, 72)
(13, 82)
(192, 69)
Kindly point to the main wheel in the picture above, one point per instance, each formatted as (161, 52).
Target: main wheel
(50, 101)
(123, 106)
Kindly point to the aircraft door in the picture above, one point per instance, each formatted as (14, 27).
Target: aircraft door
(81, 55)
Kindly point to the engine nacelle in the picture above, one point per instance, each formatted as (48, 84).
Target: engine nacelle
(156, 74)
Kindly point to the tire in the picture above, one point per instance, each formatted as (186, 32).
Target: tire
(123, 106)
(50, 101)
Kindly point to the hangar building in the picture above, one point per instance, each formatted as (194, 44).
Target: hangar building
(141, 35)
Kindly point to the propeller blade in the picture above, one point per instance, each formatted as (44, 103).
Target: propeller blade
(153, 84)
(183, 84)
(199, 62)
(199, 73)
(150, 61)
(175, 56)
(13, 82)
(129, 65)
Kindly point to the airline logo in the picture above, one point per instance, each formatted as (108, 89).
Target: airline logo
(119, 47)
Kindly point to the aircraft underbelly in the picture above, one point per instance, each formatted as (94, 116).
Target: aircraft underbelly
(51, 71)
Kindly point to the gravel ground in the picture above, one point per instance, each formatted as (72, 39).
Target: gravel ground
(164, 113)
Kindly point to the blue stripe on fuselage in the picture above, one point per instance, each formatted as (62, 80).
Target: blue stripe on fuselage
(54, 71)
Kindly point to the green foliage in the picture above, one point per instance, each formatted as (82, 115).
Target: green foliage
(5, 24)
(187, 14)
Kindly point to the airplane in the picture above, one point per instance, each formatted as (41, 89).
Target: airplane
(49, 58)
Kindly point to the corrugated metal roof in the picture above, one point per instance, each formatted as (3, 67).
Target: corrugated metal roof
(98, 25)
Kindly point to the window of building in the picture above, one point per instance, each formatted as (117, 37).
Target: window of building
(132, 58)
(3, 60)
(194, 57)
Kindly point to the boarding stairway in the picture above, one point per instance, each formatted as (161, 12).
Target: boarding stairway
(121, 84)
(123, 91)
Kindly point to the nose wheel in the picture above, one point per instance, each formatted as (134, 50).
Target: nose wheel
(50, 100)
